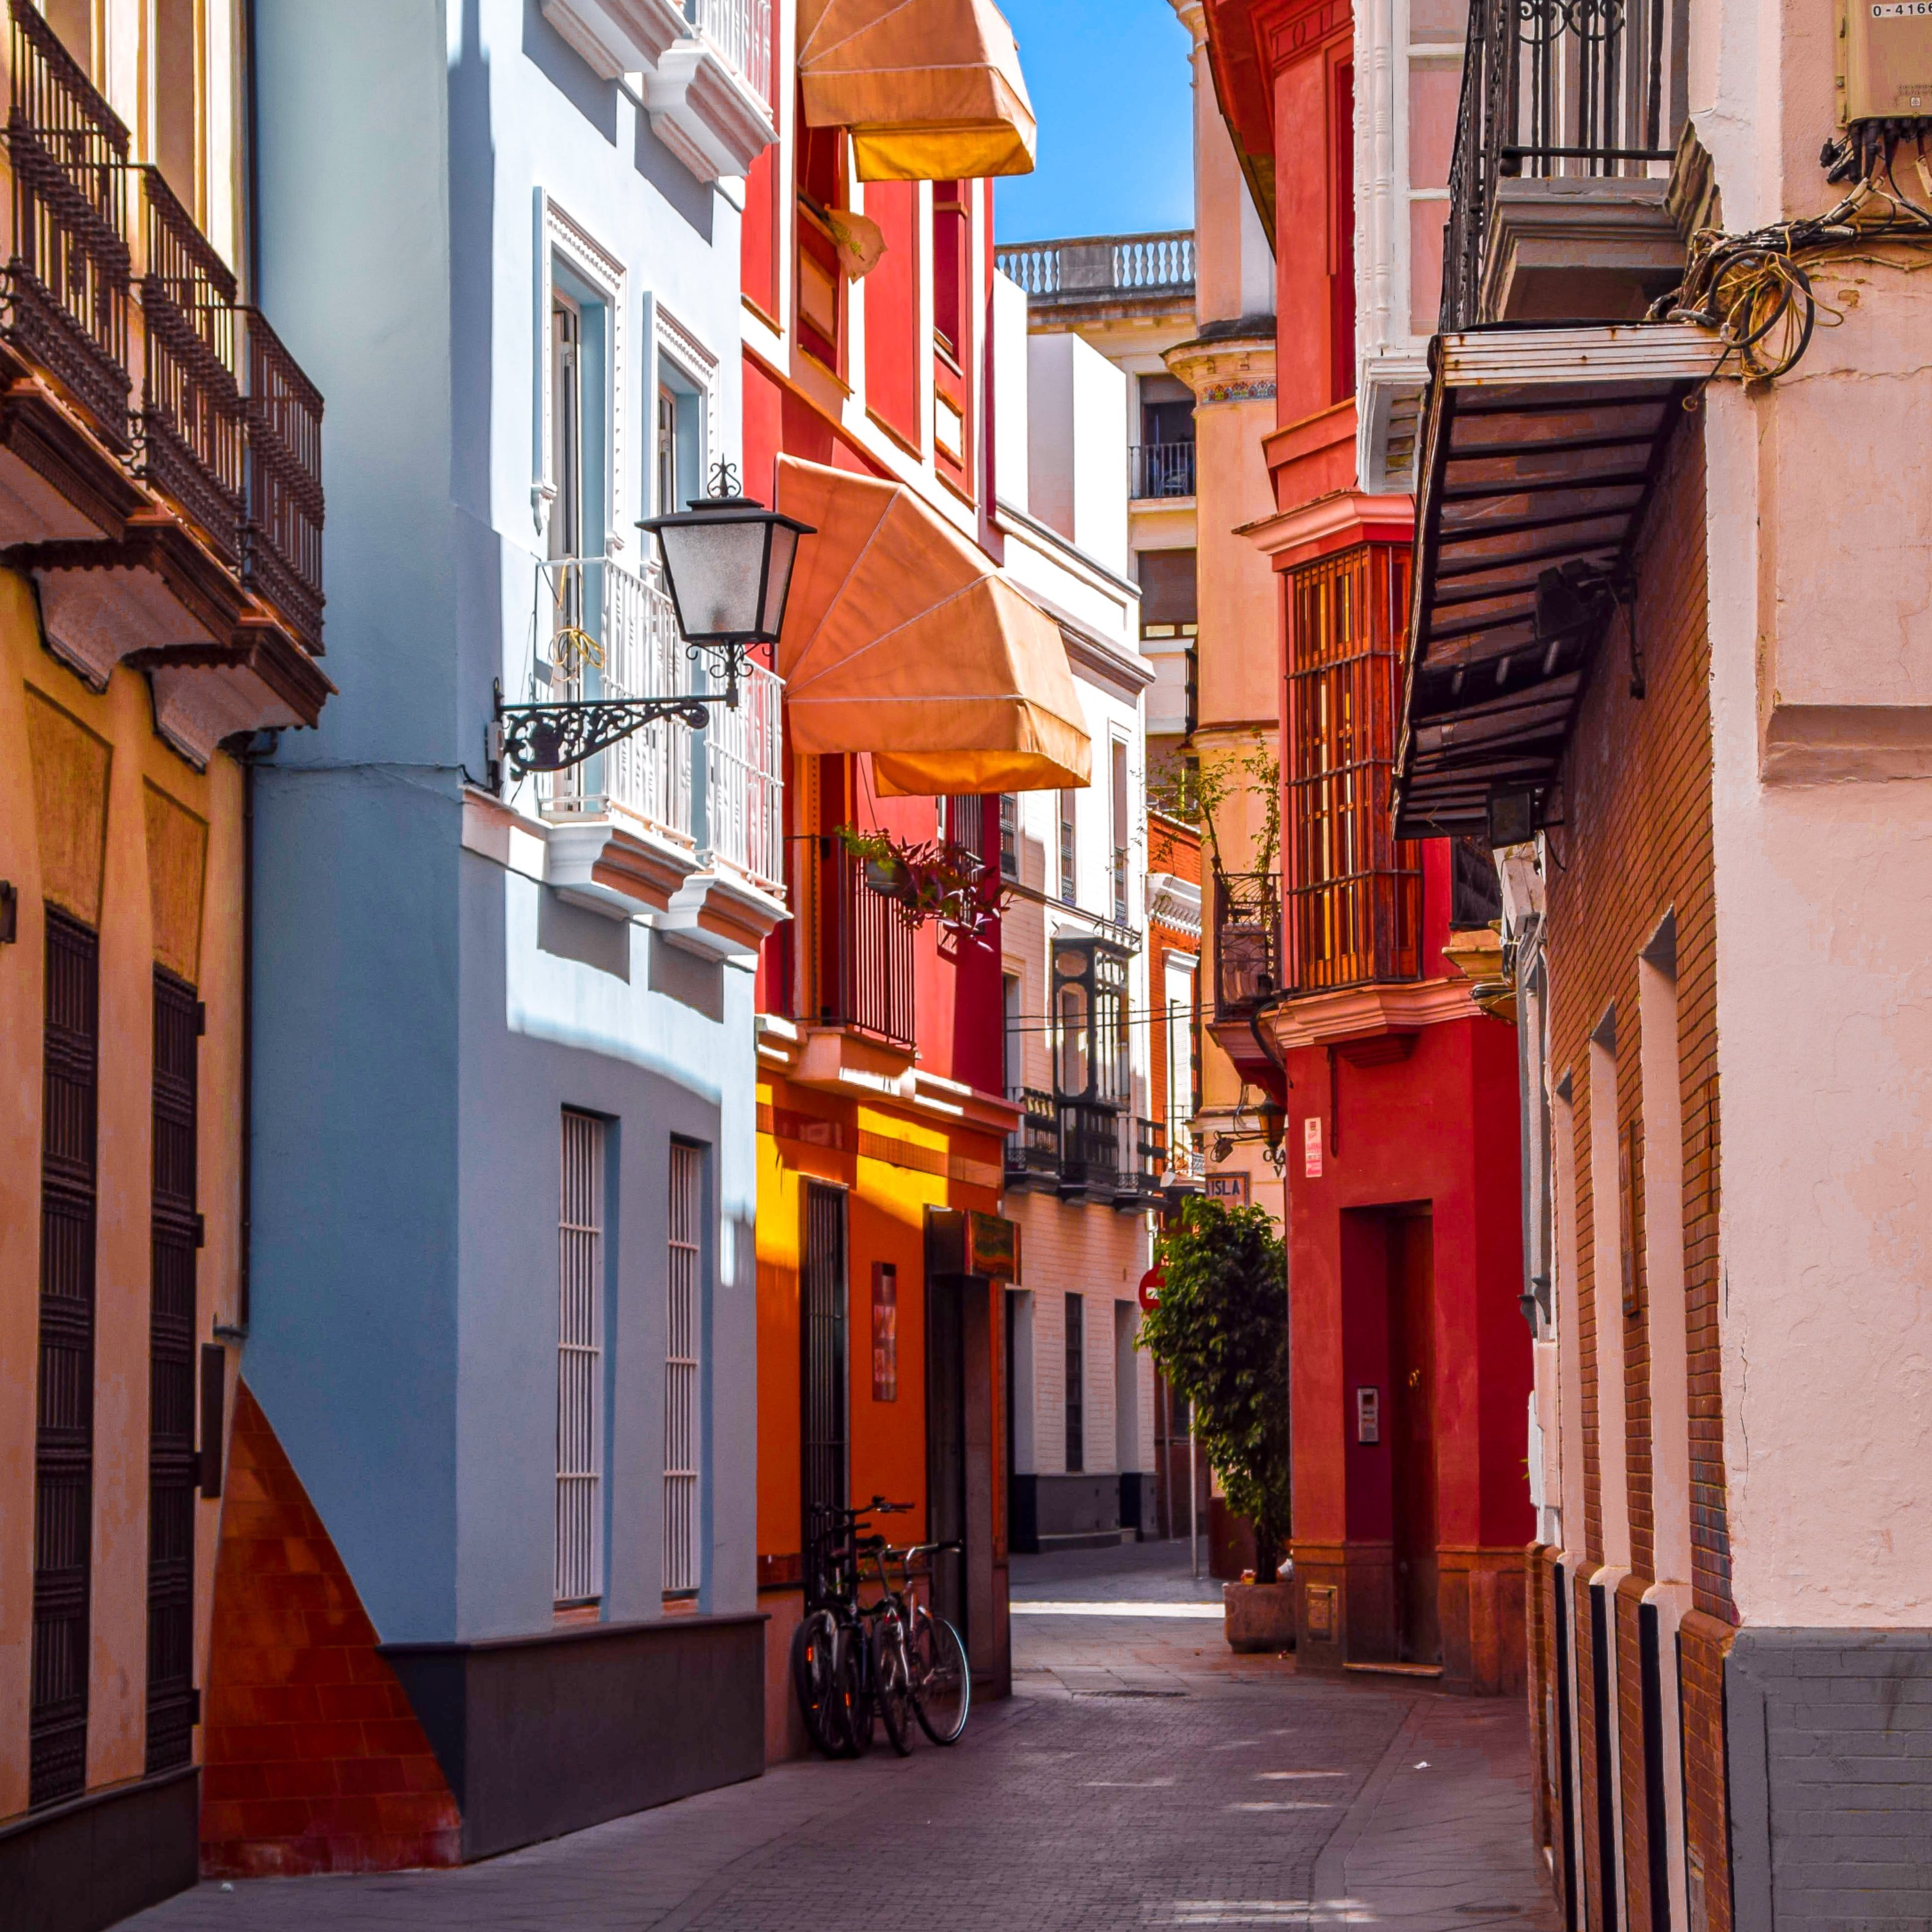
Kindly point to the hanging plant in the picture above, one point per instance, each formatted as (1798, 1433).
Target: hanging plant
(934, 881)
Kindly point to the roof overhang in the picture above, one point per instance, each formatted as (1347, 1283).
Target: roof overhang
(1539, 449)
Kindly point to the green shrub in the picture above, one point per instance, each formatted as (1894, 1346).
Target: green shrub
(1220, 1334)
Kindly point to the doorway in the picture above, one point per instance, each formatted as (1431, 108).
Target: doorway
(824, 1351)
(946, 1446)
(1411, 1292)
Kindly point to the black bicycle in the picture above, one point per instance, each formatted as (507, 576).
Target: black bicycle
(829, 1648)
(915, 1666)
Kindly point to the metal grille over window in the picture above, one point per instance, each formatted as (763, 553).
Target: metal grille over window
(1353, 890)
(64, 1446)
(176, 1234)
(580, 1348)
(825, 1357)
(681, 1382)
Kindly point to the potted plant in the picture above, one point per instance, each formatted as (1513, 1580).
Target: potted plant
(936, 881)
(1219, 1333)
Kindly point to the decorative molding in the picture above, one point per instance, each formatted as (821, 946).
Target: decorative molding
(1364, 1012)
(558, 233)
(670, 337)
(1250, 389)
(705, 111)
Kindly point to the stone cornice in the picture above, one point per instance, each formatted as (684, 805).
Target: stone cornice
(1362, 1012)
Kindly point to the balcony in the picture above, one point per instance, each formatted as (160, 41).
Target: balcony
(1247, 942)
(1162, 469)
(860, 962)
(684, 827)
(1096, 278)
(156, 549)
(1033, 1149)
(1569, 119)
(705, 67)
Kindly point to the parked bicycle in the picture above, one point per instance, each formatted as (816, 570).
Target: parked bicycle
(856, 1663)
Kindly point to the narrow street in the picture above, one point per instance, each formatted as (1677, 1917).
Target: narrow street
(1141, 1775)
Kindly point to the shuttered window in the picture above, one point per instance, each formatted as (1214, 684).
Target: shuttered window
(1076, 1384)
(682, 1420)
(580, 1357)
(63, 1439)
(175, 1237)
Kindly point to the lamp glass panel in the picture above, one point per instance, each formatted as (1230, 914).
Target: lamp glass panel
(714, 568)
(777, 581)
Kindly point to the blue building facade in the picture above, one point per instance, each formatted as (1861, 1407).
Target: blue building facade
(501, 1318)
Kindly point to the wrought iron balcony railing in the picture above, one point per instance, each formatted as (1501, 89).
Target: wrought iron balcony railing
(281, 540)
(744, 792)
(1088, 266)
(1247, 942)
(861, 969)
(68, 271)
(1033, 1148)
(741, 30)
(191, 418)
(1555, 87)
(1162, 469)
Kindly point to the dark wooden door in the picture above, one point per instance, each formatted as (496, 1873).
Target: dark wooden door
(945, 1445)
(1412, 1470)
(825, 1356)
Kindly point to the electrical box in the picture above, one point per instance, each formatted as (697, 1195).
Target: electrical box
(1885, 61)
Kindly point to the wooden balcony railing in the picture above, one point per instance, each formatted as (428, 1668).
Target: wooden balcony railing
(67, 275)
(192, 439)
(863, 968)
(281, 542)
(1352, 892)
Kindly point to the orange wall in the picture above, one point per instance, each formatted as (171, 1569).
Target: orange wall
(122, 718)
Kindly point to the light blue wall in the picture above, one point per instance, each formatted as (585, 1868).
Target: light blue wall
(422, 1016)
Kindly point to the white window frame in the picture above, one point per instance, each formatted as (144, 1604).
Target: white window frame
(577, 1577)
(674, 342)
(558, 235)
(684, 1392)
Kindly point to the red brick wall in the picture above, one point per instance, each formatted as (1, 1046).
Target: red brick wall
(1702, 1642)
(1590, 1848)
(1636, 844)
(314, 1761)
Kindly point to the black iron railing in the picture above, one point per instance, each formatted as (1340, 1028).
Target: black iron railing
(1247, 941)
(1033, 1148)
(1090, 1148)
(281, 542)
(1146, 1166)
(865, 975)
(67, 277)
(1163, 469)
(191, 427)
(1570, 87)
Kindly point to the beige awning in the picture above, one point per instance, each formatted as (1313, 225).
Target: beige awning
(900, 639)
(931, 90)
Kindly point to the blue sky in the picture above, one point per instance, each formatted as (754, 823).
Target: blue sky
(1110, 86)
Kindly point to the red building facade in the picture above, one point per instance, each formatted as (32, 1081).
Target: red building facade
(1412, 1364)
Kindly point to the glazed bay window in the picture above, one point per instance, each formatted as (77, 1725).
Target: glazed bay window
(580, 1357)
(1352, 891)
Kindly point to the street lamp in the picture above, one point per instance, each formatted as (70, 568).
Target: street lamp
(728, 562)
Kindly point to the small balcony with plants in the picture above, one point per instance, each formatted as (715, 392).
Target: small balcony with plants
(160, 450)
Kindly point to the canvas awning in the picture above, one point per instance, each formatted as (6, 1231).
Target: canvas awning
(900, 639)
(931, 90)
(1539, 450)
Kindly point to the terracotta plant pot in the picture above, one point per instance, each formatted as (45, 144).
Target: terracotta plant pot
(1259, 1616)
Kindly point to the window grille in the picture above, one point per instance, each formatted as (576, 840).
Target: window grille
(1069, 890)
(174, 1236)
(1353, 890)
(580, 1352)
(682, 1418)
(1076, 1384)
(824, 1358)
(64, 1447)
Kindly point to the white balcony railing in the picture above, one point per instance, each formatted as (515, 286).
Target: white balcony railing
(745, 802)
(741, 30)
(729, 804)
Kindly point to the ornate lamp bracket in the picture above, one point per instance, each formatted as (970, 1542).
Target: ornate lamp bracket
(552, 737)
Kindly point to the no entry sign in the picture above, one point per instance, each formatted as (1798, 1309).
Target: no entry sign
(1152, 1282)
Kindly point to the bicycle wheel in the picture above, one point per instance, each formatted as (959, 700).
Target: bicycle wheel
(852, 1670)
(814, 1651)
(942, 1680)
(892, 1682)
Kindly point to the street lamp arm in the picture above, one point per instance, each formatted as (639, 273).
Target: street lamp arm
(553, 737)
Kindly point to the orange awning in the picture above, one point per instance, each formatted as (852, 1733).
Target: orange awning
(900, 639)
(931, 90)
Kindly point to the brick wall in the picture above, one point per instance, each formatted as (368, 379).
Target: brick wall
(1636, 845)
(314, 1761)
(1702, 1642)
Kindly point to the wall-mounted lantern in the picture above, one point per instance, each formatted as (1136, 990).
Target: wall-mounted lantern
(727, 562)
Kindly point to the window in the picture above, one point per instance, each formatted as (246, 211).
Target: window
(952, 234)
(578, 509)
(683, 1423)
(174, 1236)
(1010, 835)
(823, 1335)
(1342, 246)
(1170, 605)
(1016, 1063)
(681, 433)
(1076, 1384)
(820, 185)
(175, 84)
(579, 1354)
(64, 1446)
(1123, 829)
(1069, 894)
(566, 427)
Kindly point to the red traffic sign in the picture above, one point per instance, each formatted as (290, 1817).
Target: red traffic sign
(1152, 1282)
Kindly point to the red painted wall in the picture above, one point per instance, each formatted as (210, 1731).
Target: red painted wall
(892, 310)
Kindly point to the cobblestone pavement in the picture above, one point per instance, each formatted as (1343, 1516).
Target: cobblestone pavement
(1141, 1776)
